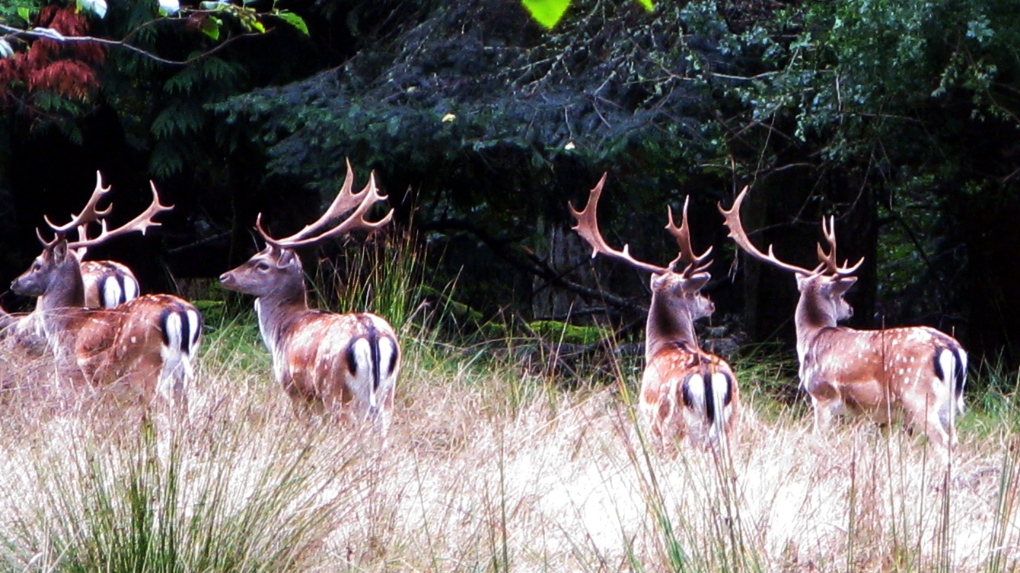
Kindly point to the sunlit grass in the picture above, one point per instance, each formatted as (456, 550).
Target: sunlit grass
(489, 466)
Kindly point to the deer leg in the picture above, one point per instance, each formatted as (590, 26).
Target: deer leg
(926, 409)
(825, 409)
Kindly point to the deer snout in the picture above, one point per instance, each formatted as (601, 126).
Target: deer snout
(18, 286)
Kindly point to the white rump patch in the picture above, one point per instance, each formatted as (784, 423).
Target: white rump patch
(721, 409)
(176, 366)
(173, 328)
(131, 289)
(112, 294)
(362, 353)
(947, 361)
(948, 364)
(696, 390)
(387, 350)
(194, 326)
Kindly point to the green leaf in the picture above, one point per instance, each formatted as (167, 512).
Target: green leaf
(547, 12)
(294, 20)
(647, 4)
(211, 27)
(24, 13)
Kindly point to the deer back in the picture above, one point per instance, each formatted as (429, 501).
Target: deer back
(146, 345)
(108, 283)
(687, 393)
(338, 362)
(916, 369)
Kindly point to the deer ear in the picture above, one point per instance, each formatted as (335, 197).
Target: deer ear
(697, 282)
(288, 258)
(60, 250)
(842, 284)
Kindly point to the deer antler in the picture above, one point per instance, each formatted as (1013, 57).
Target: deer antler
(140, 223)
(588, 227)
(695, 263)
(90, 214)
(345, 201)
(827, 261)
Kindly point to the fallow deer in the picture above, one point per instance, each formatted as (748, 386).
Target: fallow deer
(145, 346)
(917, 370)
(345, 364)
(685, 391)
(107, 283)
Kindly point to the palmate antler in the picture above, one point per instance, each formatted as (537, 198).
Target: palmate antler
(91, 213)
(827, 261)
(344, 203)
(587, 226)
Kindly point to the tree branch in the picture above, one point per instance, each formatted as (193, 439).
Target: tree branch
(508, 250)
(51, 34)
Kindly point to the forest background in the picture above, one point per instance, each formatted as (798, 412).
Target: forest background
(898, 118)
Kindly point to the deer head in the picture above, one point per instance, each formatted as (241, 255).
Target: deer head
(676, 295)
(57, 275)
(55, 268)
(822, 288)
(275, 272)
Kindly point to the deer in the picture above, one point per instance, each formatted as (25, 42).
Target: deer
(107, 283)
(145, 347)
(685, 391)
(918, 372)
(327, 363)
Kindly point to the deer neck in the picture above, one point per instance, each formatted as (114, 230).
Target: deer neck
(277, 310)
(810, 319)
(66, 290)
(669, 323)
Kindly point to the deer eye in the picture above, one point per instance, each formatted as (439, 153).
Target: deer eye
(262, 266)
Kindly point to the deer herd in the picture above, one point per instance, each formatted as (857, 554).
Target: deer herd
(102, 334)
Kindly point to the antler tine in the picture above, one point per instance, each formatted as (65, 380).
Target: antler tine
(732, 222)
(343, 203)
(368, 197)
(829, 259)
(588, 227)
(89, 214)
(140, 223)
(682, 234)
(43, 240)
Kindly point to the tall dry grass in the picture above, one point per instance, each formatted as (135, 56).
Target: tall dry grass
(490, 467)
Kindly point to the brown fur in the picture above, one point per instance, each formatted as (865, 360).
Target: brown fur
(312, 349)
(918, 371)
(122, 347)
